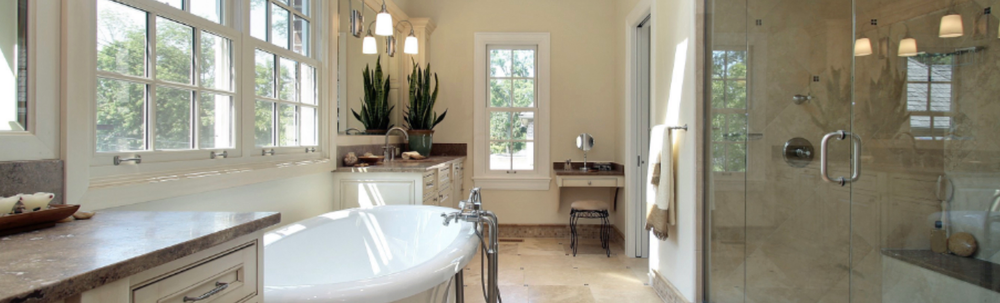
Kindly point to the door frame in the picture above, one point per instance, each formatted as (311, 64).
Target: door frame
(639, 13)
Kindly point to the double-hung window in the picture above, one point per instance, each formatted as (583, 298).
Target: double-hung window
(512, 111)
(164, 81)
(177, 78)
(929, 95)
(286, 102)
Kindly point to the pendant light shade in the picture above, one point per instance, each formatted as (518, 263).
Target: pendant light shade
(383, 22)
(862, 47)
(908, 47)
(368, 46)
(951, 26)
(410, 46)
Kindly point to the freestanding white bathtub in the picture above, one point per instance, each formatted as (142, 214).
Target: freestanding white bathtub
(398, 253)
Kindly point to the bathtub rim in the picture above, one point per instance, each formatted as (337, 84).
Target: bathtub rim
(388, 288)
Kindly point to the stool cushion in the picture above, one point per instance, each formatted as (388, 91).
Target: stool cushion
(589, 205)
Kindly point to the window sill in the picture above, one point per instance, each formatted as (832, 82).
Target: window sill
(519, 183)
(123, 190)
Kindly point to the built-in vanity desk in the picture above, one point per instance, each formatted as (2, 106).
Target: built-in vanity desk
(574, 177)
(124, 256)
(436, 180)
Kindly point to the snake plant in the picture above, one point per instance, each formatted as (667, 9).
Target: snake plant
(420, 114)
(375, 107)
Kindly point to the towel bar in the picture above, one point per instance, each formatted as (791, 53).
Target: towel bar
(685, 127)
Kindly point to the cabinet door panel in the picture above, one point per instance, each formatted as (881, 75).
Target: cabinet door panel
(366, 194)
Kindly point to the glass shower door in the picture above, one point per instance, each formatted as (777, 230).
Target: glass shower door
(781, 81)
(906, 93)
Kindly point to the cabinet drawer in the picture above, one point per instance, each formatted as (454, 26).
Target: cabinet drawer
(222, 279)
(609, 182)
(444, 174)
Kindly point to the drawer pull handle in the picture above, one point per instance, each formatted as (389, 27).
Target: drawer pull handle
(219, 286)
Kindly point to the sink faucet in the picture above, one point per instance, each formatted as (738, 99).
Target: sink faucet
(390, 151)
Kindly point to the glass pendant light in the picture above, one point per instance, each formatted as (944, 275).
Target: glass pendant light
(368, 46)
(951, 26)
(383, 22)
(862, 47)
(908, 47)
(411, 47)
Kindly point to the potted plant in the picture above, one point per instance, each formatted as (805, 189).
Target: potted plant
(420, 116)
(375, 107)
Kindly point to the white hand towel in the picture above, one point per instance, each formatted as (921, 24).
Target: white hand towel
(664, 212)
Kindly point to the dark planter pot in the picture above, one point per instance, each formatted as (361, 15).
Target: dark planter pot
(421, 141)
(375, 131)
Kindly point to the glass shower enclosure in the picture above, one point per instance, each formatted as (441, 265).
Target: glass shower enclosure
(848, 141)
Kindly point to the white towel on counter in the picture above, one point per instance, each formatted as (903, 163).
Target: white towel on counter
(664, 212)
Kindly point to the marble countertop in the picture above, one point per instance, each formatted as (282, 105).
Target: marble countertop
(403, 166)
(70, 258)
(970, 270)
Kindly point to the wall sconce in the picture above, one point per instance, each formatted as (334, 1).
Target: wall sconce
(908, 47)
(862, 47)
(390, 46)
(357, 19)
(951, 26)
(410, 45)
(368, 46)
(383, 22)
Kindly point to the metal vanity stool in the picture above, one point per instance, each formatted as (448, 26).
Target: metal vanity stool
(590, 209)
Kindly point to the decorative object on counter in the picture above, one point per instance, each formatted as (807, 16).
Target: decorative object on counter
(37, 201)
(962, 244)
(603, 166)
(585, 142)
(66, 220)
(350, 159)
(83, 215)
(7, 204)
(23, 222)
(420, 116)
(568, 165)
(375, 109)
(939, 239)
(412, 155)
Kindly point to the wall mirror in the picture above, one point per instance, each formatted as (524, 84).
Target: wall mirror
(13, 65)
(351, 65)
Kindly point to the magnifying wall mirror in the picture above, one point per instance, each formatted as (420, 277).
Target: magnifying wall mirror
(13, 65)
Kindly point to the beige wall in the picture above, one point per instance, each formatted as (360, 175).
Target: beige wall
(675, 103)
(582, 88)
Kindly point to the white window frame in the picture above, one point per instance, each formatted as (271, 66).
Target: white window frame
(98, 183)
(105, 160)
(41, 139)
(540, 178)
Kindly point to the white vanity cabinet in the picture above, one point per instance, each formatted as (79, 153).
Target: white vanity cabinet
(434, 183)
(227, 273)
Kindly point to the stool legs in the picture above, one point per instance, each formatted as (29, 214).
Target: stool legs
(605, 232)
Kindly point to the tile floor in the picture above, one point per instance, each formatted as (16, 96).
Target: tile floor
(545, 271)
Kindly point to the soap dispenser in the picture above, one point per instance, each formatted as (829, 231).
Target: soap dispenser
(939, 239)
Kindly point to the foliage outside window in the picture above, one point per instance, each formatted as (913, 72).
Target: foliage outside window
(512, 108)
(179, 97)
(929, 95)
(729, 114)
(286, 107)
(168, 83)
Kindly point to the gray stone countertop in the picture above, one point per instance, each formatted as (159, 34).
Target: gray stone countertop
(54, 263)
(403, 166)
(974, 271)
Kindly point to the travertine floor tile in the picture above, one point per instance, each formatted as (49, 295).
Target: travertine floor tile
(560, 294)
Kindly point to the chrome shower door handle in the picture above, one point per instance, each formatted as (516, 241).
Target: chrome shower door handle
(856, 157)
(824, 158)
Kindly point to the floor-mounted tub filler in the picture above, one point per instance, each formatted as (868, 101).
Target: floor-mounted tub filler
(399, 253)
